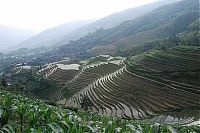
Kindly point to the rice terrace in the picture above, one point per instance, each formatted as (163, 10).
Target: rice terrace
(134, 71)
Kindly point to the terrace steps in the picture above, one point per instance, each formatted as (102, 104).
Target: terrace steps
(106, 92)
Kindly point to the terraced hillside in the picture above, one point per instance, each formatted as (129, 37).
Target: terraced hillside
(178, 67)
(59, 77)
(88, 75)
(142, 87)
(75, 80)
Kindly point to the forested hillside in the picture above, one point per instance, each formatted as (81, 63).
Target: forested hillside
(164, 22)
(64, 33)
(114, 19)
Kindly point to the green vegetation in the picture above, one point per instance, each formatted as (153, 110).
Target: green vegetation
(86, 103)
(129, 92)
(28, 82)
(182, 69)
(97, 60)
(188, 38)
(126, 90)
(165, 22)
(20, 114)
(158, 82)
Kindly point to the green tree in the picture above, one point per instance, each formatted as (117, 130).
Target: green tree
(86, 103)
(3, 82)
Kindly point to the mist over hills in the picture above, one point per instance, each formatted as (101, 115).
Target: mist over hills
(74, 30)
(10, 36)
(165, 21)
(115, 19)
(51, 36)
(161, 23)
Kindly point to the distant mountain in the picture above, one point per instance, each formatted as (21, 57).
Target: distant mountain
(51, 36)
(74, 30)
(166, 21)
(163, 22)
(115, 19)
(10, 36)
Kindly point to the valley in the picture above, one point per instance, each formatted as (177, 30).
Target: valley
(131, 75)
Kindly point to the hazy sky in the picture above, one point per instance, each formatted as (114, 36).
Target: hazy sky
(42, 14)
